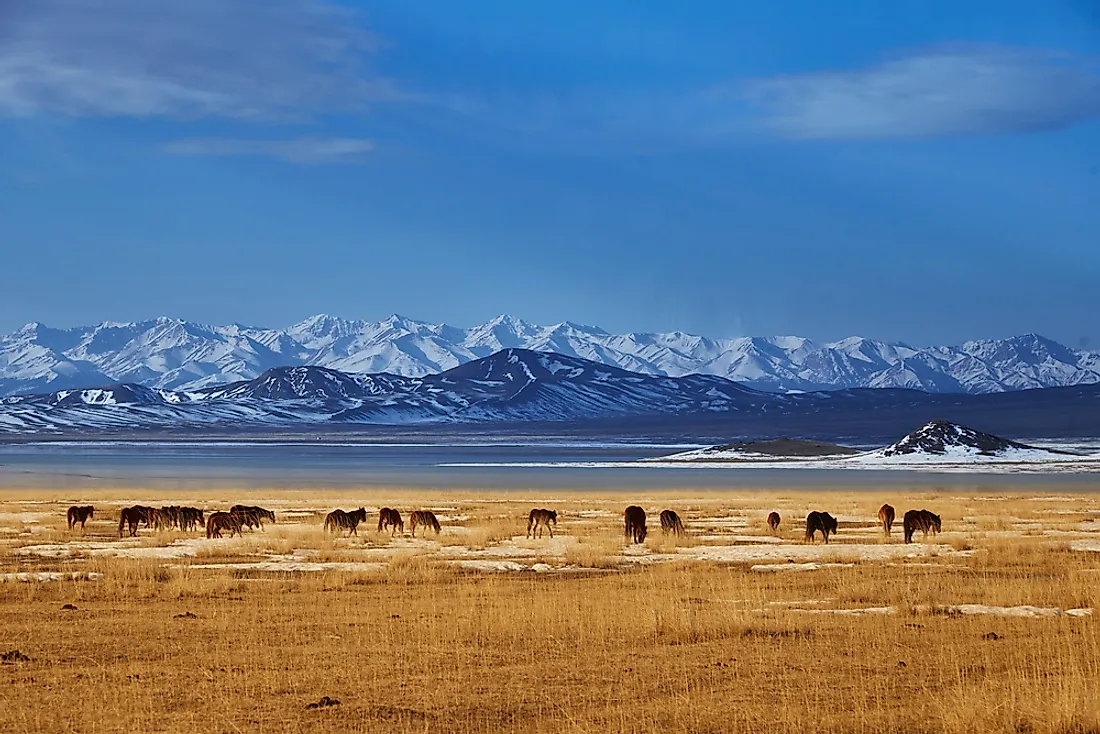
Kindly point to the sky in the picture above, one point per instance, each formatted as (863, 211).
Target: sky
(921, 172)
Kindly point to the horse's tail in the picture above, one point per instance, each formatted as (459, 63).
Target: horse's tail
(121, 522)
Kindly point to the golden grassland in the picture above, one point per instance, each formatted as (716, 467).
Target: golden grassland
(599, 640)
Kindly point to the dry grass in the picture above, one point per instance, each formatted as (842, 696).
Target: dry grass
(422, 645)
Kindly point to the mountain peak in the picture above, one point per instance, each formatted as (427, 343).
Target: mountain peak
(28, 330)
(940, 437)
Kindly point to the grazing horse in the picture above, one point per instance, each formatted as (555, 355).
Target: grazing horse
(922, 520)
(251, 516)
(773, 521)
(390, 518)
(634, 519)
(79, 515)
(537, 519)
(164, 518)
(338, 520)
(425, 518)
(670, 522)
(822, 521)
(219, 521)
(190, 518)
(131, 516)
(886, 517)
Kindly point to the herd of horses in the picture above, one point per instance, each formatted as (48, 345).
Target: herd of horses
(816, 522)
(182, 518)
(388, 518)
(240, 517)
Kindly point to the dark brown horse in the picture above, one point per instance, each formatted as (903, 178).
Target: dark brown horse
(671, 523)
(773, 521)
(190, 518)
(131, 516)
(425, 518)
(922, 520)
(390, 518)
(219, 521)
(537, 519)
(338, 520)
(252, 516)
(79, 515)
(886, 518)
(822, 521)
(634, 520)
(164, 518)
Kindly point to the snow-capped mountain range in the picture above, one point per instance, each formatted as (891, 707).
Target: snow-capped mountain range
(513, 385)
(519, 389)
(171, 354)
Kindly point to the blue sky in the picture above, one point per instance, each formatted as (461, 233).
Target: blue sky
(926, 172)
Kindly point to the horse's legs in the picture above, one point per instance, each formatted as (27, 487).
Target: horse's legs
(551, 529)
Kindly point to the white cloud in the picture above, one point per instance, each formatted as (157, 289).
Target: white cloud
(954, 92)
(185, 58)
(298, 150)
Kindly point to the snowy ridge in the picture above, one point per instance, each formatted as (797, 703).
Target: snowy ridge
(171, 354)
(521, 386)
(938, 445)
(512, 385)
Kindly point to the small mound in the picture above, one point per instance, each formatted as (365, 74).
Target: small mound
(943, 438)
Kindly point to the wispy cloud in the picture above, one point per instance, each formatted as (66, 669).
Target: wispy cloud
(952, 92)
(299, 150)
(199, 58)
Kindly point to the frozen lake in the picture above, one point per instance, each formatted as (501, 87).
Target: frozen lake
(313, 464)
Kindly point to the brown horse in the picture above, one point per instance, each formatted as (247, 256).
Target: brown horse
(425, 518)
(338, 520)
(634, 520)
(252, 516)
(922, 520)
(79, 515)
(164, 518)
(886, 518)
(671, 523)
(190, 518)
(219, 521)
(131, 516)
(537, 519)
(822, 521)
(390, 518)
(773, 521)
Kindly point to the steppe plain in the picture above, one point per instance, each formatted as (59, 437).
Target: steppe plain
(988, 626)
